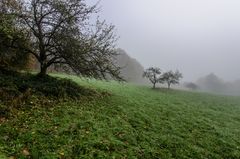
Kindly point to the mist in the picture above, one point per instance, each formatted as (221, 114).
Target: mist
(196, 37)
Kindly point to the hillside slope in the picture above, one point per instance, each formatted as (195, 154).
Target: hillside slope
(132, 70)
(134, 122)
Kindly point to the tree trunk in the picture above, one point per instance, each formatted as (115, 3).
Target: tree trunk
(169, 85)
(154, 85)
(43, 71)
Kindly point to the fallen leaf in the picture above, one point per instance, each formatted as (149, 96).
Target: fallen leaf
(26, 152)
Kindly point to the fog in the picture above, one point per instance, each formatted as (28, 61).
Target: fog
(195, 36)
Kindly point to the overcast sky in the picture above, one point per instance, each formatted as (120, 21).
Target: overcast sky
(195, 36)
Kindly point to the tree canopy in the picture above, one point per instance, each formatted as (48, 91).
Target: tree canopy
(64, 33)
(153, 74)
(171, 77)
(12, 38)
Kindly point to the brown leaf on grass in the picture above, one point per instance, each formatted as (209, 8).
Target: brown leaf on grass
(2, 119)
(26, 152)
(62, 155)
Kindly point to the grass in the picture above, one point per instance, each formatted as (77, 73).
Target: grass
(134, 122)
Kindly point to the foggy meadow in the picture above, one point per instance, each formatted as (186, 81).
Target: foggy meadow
(129, 79)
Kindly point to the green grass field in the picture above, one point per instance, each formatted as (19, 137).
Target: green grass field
(134, 122)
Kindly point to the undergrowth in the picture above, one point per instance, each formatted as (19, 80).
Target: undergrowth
(19, 90)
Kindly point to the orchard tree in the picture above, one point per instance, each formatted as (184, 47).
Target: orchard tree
(62, 33)
(153, 74)
(171, 77)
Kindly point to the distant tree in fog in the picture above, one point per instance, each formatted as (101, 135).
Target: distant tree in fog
(191, 85)
(212, 83)
(153, 74)
(171, 77)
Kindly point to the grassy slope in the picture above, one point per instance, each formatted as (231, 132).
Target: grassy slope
(135, 122)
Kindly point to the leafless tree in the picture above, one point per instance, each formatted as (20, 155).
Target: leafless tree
(153, 74)
(61, 33)
(171, 77)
